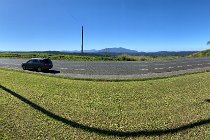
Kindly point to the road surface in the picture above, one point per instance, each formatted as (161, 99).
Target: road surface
(120, 70)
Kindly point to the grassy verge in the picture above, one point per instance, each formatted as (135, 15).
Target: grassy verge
(147, 58)
(85, 57)
(41, 107)
(205, 53)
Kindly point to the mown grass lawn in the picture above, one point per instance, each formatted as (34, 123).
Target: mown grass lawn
(41, 107)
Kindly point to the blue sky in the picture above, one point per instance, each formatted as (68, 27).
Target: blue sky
(143, 25)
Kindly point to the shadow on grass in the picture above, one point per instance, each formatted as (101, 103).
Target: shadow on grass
(105, 131)
(47, 71)
(207, 100)
(51, 71)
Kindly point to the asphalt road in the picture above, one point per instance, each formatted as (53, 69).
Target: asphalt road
(117, 69)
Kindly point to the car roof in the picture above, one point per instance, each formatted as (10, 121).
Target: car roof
(39, 58)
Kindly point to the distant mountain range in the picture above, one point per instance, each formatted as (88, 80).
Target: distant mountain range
(116, 52)
(106, 50)
(120, 51)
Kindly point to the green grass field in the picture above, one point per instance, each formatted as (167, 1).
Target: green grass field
(71, 57)
(41, 107)
(205, 53)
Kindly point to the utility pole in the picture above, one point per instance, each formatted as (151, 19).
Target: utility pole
(82, 41)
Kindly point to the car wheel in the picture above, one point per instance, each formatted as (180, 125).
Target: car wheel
(39, 69)
(24, 67)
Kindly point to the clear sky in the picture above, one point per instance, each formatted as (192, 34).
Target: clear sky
(143, 25)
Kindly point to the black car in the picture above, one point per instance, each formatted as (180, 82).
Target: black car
(39, 64)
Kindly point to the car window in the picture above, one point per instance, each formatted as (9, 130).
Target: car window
(47, 61)
(30, 61)
(35, 61)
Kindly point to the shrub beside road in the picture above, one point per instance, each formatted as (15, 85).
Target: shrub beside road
(79, 57)
(41, 107)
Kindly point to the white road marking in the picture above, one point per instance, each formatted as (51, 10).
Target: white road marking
(63, 68)
(179, 66)
(208, 63)
(143, 65)
(159, 64)
(170, 67)
(78, 65)
(159, 68)
(189, 65)
(144, 69)
(199, 64)
(80, 69)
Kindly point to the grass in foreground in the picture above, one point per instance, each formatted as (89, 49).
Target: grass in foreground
(42, 107)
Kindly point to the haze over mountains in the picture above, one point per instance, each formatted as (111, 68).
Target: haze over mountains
(121, 50)
(115, 52)
(111, 50)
